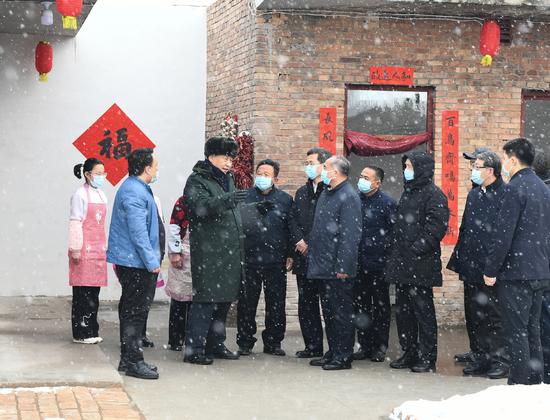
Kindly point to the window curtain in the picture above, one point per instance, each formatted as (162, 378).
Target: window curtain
(363, 144)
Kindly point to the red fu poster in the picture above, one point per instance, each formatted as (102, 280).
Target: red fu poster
(327, 129)
(449, 171)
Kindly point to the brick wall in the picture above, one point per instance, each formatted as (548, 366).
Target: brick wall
(303, 63)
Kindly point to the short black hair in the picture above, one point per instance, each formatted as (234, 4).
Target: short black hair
(522, 149)
(88, 166)
(270, 162)
(379, 172)
(541, 164)
(322, 154)
(138, 160)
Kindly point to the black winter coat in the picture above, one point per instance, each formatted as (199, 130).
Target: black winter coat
(479, 222)
(336, 233)
(305, 201)
(422, 219)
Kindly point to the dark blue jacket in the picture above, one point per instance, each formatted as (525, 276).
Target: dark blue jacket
(520, 249)
(379, 212)
(267, 236)
(479, 222)
(336, 233)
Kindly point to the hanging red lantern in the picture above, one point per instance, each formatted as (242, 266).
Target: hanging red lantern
(69, 10)
(43, 60)
(489, 41)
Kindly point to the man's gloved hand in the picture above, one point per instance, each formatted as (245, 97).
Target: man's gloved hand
(264, 207)
(240, 196)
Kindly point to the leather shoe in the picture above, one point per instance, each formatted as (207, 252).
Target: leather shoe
(141, 370)
(498, 371)
(275, 351)
(245, 351)
(146, 342)
(123, 366)
(407, 361)
(467, 357)
(361, 355)
(378, 356)
(423, 366)
(308, 354)
(476, 368)
(175, 348)
(319, 362)
(224, 353)
(198, 359)
(337, 365)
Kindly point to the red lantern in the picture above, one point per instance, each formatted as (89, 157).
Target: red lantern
(43, 60)
(69, 10)
(489, 41)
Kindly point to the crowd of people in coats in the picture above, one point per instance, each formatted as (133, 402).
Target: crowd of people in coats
(345, 242)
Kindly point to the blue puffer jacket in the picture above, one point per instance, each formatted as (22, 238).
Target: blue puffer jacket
(134, 231)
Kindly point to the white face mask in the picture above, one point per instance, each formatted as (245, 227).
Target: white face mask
(155, 178)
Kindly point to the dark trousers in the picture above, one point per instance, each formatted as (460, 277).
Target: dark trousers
(309, 313)
(177, 322)
(545, 334)
(483, 322)
(521, 303)
(206, 328)
(138, 290)
(372, 311)
(273, 280)
(84, 312)
(337, 304)
(416, 322)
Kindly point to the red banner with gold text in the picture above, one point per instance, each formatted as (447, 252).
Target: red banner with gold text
(449, 171)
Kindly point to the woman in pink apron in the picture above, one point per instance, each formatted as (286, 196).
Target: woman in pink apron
(87, 248)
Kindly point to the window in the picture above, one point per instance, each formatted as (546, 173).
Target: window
(391, 114)
(535, 121)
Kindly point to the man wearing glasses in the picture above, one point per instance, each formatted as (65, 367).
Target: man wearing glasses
(482, 312)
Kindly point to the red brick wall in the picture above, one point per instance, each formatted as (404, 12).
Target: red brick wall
(302, 63)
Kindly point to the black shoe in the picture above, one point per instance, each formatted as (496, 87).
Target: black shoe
(407, 361)
(274, 351)
(477, 368)
(337, 365)
(224, 353)
(378, 356)
(198, 359)
(468, 357)
(141, 370)
(498, 371)
(361, 355)
(175, 348)
(245, 351)
(319, 362)
(423, 366)
(146, 342)
(123, 366)
(308, 354)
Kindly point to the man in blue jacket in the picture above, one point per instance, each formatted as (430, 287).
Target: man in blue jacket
(519, 259)
(134, 249)
(332, 260)
(266, 217)
(372, 292)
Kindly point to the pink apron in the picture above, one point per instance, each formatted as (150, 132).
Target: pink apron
(92, 268)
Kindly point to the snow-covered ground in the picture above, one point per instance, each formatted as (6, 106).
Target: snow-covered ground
(501, 402)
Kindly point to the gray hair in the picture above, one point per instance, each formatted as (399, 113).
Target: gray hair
(491, 160)
(341, 164)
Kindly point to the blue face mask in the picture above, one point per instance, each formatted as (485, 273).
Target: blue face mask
(408, 174)
(98, 181)
(476, 177)
(324, 177)
(155, 178)
(364, 185)
(263, 183)
(311, 171)
(505, 172)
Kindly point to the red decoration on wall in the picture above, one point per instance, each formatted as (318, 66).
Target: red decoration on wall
(243, 164)
(43, 60)
(70, 10)
(363, 144)
(111, 139)
(384, 75)
(327, 129)
(489, 41)
(449, 171)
